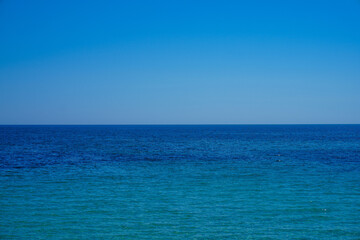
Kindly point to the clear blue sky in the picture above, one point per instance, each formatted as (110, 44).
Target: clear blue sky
(155, 62)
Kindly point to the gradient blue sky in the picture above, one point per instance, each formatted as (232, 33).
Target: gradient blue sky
(179, 62)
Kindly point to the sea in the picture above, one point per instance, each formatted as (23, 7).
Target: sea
(180, 182)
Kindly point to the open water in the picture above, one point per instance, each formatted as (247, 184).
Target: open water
(180, 182)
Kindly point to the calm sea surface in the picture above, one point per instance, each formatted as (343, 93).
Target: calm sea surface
(180, 182)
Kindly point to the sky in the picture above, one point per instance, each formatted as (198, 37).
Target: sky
(180, 62)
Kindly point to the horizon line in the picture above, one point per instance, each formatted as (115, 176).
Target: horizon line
(167, 124)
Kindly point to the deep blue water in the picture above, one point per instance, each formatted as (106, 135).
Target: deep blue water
(180, 182)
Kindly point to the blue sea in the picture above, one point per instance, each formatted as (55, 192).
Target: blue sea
(180, 182)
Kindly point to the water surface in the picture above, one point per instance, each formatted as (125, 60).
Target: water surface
(180, 182)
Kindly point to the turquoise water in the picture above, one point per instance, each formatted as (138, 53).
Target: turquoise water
(180, 182)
